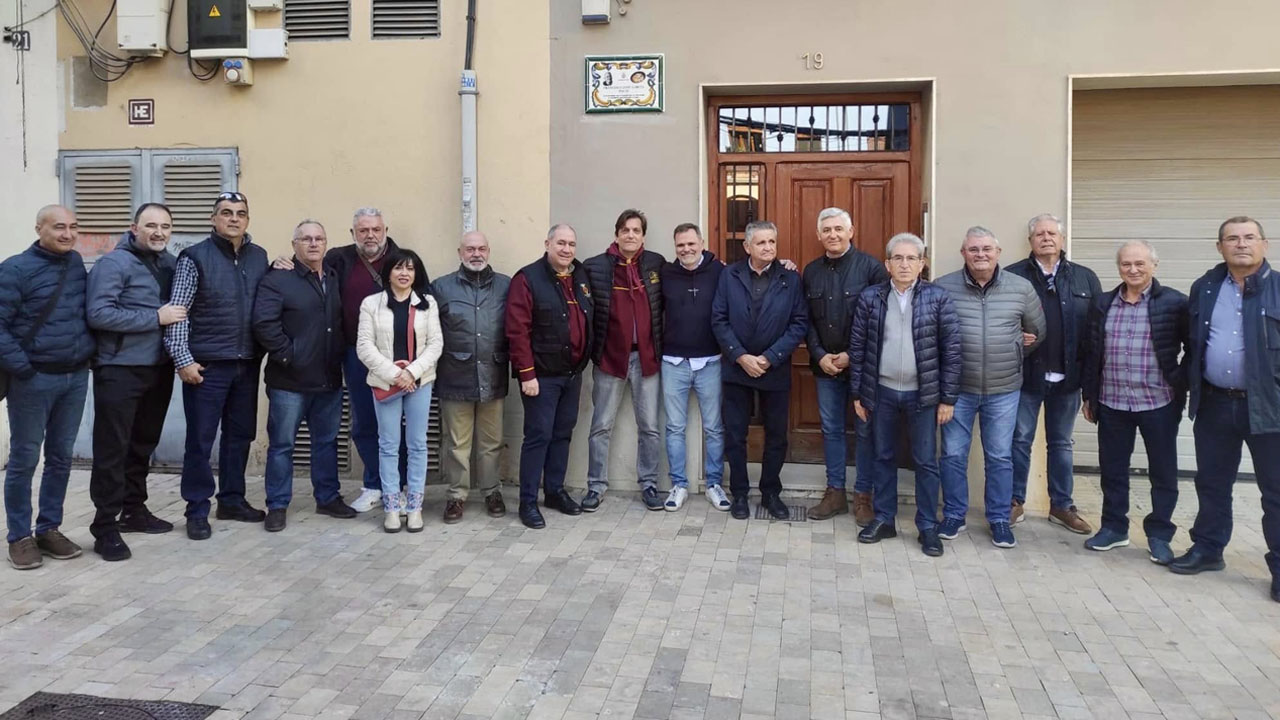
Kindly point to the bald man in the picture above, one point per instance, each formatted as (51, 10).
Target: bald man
(45, 346)
(472, 378)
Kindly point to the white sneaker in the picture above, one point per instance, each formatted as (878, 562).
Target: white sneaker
(391, 523)
(675, 499)
(414, 523)
(368, 500)
(717, 498)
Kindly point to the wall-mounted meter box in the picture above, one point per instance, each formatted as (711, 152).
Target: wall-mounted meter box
(140, 26)
(218, 28)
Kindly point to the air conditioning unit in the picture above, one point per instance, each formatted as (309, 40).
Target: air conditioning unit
(141, 26)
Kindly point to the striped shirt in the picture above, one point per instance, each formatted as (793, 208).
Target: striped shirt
(1131, 377)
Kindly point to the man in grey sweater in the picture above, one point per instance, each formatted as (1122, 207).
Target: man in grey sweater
(1000, 321)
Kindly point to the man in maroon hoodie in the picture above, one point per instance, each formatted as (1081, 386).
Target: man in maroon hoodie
(627, 349)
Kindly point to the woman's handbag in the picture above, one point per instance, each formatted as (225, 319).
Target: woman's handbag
(394, 391)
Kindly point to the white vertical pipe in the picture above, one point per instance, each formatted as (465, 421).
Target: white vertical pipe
(468, 91)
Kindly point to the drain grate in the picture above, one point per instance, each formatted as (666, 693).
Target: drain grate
(799, 513)
(52, 706)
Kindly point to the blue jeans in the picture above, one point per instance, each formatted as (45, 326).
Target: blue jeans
(922, 426)
(677, 381)
(606, 395)
(1221, 429)
(43, 409)
(999, 413)
(364, 421)
(228, 396)
(323, 412)
(1060, 410)
(1116, 432)
(833, 408)
(415, 408)
(549, 419)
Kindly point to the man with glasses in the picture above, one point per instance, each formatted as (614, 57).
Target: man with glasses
(1233, 373)
(832, 284)
(904, 350)
(218, 361)
(1051, 374)
(297, 318)
(1000, 320)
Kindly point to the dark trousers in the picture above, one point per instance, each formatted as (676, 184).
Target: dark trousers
(775, 407)
(1116, 432)
(129, 405)
(549, 419)
(364, 422)
(227, 397)
(1221, 429)
(892, 407)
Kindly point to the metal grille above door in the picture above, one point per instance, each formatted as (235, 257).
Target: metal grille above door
(317, 19)
(406, 19)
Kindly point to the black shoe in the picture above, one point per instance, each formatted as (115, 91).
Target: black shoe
(877, 531)
(653, 500)
(775, 507)
(563, 502)
(530, 516)
(275, 520)
(112, 547)
(1196, 561)
(591, 501)
(198, 528)
(1275, 590)
(337, 509)
(142, 521)
(930, 543)
(242, 513)
(739, 508)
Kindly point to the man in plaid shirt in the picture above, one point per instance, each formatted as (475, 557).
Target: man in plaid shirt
(1134, 382)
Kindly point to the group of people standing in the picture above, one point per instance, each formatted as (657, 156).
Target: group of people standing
(907, 355)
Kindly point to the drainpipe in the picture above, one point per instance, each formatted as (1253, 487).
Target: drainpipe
(468, 91)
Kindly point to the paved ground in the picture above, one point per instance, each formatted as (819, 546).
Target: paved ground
(627, 613)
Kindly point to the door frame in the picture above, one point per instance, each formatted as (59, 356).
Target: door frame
(914, 156)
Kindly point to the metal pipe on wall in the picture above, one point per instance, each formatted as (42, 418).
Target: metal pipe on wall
(467, 91)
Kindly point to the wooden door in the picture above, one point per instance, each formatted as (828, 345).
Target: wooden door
(876, 194)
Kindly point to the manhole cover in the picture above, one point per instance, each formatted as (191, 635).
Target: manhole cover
(52, 706)
(799, 513)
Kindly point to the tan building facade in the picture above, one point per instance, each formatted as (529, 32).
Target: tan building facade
(1151, 118)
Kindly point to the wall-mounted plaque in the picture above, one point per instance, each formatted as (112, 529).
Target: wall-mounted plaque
(624, 83)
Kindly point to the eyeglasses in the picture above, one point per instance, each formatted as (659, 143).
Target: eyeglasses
(309, 240)
(904, 259)
(1243, 240)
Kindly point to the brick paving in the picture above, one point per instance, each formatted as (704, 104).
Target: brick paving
(629, 613)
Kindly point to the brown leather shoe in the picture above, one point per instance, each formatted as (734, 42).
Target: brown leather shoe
(863, 513)
(834, 503)
(452, 512)
(1015, 513)
(493, 504)
(1071, 520)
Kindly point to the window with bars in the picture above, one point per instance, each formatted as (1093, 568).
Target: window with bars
(815, 128)
(743, 202)
(406, 19)
(317, 19)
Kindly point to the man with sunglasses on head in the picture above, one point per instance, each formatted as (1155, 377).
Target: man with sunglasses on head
(218, 361)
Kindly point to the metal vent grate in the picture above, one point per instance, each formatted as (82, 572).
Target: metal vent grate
(799, 513)
(52, 706)
(317, 19)
(302, 444)
(189, 191)
(406, 19)
(104, 197)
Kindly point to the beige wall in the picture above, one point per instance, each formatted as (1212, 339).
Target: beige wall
(342, 124)
(999, 72)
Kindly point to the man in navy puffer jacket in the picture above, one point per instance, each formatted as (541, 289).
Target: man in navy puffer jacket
(48, 367)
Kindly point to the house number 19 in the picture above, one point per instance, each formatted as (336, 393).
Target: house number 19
(812, 61)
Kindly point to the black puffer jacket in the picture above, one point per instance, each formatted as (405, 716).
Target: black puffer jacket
(832, 287)
(935, 334)
(1081, 287)
(1167, 313)
(473, 307)
(600, 273)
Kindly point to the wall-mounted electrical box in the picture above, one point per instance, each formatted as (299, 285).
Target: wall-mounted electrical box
(268, 43)
(218, 28)
(595, 12)
(266, 5)
(141, 26)
(237, 71)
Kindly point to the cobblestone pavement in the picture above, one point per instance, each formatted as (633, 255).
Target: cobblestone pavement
(628, 613)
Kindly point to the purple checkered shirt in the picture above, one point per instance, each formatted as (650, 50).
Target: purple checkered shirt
(1131, 377)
